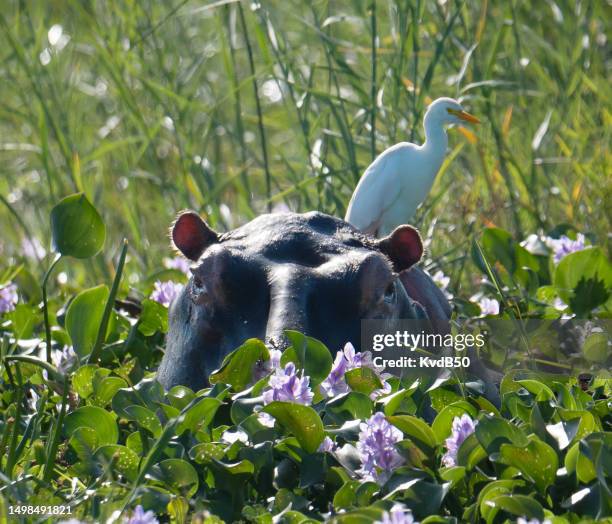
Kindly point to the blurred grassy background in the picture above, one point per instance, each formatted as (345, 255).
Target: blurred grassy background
(234, 108)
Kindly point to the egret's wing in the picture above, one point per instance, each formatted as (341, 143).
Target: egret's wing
(376, 191)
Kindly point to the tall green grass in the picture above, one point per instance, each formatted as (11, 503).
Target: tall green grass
(232, 108)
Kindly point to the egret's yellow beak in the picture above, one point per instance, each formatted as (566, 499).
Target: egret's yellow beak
(463, 115)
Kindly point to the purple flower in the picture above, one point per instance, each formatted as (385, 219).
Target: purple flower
(522, 520)
(376, 448)
(286, 385)
(564, 245)
(398, 514)
(179, 263)
(442, 281)
(327, 446)
(335, 384)
(346, 360)
(33, 249)
(488, 306)
(165, 292)
(140, 516)
(264, 367)
(462, 428)
(65, 359)
(8, 298)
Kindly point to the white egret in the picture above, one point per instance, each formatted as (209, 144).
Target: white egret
(400, 178)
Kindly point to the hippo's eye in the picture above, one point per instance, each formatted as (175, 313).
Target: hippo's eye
(389, 295)
(198, 288)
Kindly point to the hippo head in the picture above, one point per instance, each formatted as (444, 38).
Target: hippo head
(310, 272)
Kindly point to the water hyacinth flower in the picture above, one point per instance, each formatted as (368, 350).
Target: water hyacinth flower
(286, 385)
(488, 306)
(263, 368)
(346, 360)
(8, 298)
(327, 446)
(398, 514)
(140, 516)
(376, 447)
(462, 428)
(564, 245)
(165, 292)
(179, 263)
(33, 249)
(335, 384)
(442, 281)
(64, 359)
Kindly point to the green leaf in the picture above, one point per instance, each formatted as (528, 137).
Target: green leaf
(415, 428)
(125, 461)
(82, 380)
(153, 318)
(76, 227)
(537, 461)
(301, 421)
(105, 389)
(470, 453)
(310, 354)
(206, 452)
(492, 432)
(237, 367)
(177, 475)
(363, 380)
(442, 424)
(180, 396)
(200, 415)
(354, 405)
(520, 506)
(575, 270)
(145, 418)
(499, 246)
(83, 318)
(98, 419)
(595, 347)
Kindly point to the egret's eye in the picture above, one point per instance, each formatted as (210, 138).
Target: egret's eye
(389, 295)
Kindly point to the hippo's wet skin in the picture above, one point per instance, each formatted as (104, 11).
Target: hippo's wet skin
(310, 272)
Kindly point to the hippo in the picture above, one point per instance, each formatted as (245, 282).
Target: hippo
(309, 272)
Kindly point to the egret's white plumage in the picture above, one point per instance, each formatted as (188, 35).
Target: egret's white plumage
(400, 178)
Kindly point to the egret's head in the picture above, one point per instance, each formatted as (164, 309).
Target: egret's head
(449, 111)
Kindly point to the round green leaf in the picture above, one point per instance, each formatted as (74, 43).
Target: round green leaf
(443, 422)
(520, 506)
(537, 461)
(177, 475)
(595, 347)
(124, 460)
(83, 318)
(310, 354)
(301, 421)
(77, 228)
(200, 415)
(415, 428)
(98, 419)
(206, 452)
(492, 432)
(145, 418)
(237, 368)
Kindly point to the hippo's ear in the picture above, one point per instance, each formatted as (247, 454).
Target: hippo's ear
(404, 247)
(191, 235)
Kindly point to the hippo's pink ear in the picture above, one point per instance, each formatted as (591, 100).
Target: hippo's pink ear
(404, 247)
(191, 235)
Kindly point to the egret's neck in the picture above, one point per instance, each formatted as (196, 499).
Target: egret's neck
(436, 141)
